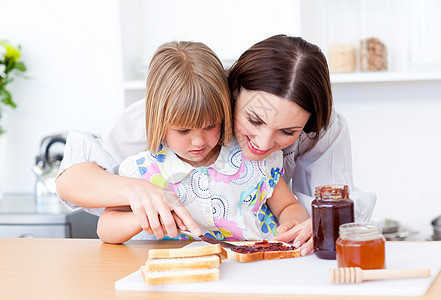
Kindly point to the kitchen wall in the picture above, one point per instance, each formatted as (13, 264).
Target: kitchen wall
(396, 144)
(76, 70)
(71, 49)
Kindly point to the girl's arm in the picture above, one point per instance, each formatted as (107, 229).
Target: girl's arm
(117, 225)
(295, 226)
(285, 207)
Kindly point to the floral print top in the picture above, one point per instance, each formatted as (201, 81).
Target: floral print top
(227, 199)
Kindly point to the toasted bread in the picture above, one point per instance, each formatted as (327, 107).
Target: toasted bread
(186, 252)
(184, 265)
(262, 251)
(179, 264)
(187, 276)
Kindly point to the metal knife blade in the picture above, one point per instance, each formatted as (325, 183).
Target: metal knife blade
(214, 241)
(208, 239)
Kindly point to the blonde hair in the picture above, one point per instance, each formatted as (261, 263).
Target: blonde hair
(186, 87)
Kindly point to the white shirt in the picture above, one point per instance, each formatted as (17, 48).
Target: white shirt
(329, 162)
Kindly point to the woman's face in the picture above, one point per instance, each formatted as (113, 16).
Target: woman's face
(264, 123)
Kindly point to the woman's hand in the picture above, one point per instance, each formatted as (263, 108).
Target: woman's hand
(299, 234)
(158, 211)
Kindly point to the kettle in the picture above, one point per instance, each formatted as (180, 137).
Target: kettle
(46, 167)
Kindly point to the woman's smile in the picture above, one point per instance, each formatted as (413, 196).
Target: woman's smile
(254, 148)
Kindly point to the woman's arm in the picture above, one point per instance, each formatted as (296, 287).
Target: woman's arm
(117, 225)
(88, 184)
(329, 162)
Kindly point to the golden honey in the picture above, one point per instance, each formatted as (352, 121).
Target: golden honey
(361, 245)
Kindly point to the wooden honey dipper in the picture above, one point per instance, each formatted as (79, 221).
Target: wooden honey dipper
(357, 275)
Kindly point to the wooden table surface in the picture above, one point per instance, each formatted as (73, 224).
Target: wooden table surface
(88, 269)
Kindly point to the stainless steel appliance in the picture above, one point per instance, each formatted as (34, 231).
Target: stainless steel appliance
(46, 168)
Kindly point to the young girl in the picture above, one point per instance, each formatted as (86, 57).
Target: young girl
(192, 153)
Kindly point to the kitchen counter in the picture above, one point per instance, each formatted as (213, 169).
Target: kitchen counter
(21, 216)
(88, 269)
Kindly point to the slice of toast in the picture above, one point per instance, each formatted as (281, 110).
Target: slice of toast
(183, 265)
(186, 276)
(179, 264)
(186, 252)
(263, 251)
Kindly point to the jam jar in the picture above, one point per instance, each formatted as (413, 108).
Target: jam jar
(330, 208)
(361, 245)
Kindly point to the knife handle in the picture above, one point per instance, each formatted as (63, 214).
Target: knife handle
(188, 233)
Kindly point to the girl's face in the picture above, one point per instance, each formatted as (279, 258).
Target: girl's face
(264, 123)
(198, 147)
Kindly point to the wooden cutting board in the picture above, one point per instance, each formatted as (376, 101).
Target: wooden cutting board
(308, 275)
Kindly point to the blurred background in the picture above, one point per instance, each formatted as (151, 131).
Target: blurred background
(87, 60)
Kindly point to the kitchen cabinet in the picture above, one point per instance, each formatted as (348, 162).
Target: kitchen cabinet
(20, 217)
(410, 27)
(228, 27)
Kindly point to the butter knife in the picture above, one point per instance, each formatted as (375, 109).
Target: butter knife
(208, 239)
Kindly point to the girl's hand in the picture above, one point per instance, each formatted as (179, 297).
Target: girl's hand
(159, 212)
(300, 235)
(284, 227)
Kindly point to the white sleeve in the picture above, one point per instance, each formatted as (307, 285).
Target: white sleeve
(124, 136)
(329, 162)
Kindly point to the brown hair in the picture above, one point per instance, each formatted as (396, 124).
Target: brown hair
(186, 87)
(290, 68)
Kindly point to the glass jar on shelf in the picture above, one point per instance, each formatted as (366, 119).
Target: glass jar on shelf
(342, 24)
(374, 52)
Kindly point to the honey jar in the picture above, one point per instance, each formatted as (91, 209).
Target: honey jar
(361, 245)
(330, 208)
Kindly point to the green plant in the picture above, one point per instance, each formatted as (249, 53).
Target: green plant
(10, 67)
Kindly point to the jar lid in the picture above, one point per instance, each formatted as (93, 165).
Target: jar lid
(332, 192)
(360, 231)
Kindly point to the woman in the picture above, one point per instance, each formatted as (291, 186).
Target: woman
(282, 100)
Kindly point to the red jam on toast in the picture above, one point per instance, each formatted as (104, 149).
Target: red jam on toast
(263, 246)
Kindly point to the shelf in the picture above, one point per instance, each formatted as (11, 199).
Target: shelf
(356, 77)
(367, 77)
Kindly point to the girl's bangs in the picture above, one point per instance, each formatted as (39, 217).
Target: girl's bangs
(196, 112)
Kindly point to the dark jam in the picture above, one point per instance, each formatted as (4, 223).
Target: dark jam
(263, 246)
(331, 208)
